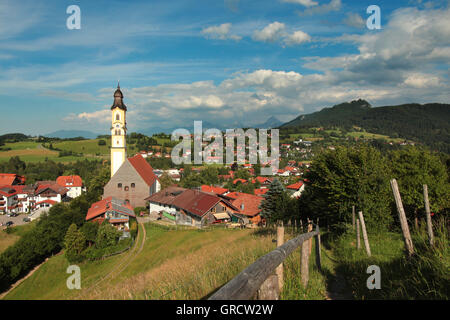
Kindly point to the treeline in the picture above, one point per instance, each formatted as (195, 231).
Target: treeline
(360, 176)
(50, 170)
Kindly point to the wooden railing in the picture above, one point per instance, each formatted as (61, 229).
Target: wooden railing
(258, 281)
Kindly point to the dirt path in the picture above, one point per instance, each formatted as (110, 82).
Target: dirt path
(122, 264)
(337, 288)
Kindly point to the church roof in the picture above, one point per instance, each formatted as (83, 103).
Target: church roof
(118, 99)
(143, 168)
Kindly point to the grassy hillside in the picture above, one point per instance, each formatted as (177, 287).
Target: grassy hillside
(173, 264)
(426, 123)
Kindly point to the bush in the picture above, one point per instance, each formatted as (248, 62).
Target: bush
(107, 236)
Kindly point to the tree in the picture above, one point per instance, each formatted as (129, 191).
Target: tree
(101, 142)
(75, 243)
(347, 176)
(166, 180)
(89, 230)
(413, 167)
(107, 236)
(276, 202)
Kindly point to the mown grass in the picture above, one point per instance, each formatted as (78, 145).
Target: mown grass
(423, 276)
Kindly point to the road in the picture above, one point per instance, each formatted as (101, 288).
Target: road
(17, 220)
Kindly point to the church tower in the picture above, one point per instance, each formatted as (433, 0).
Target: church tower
(118, 131)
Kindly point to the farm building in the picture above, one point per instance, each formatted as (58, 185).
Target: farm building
(189, 207)
(116, 211)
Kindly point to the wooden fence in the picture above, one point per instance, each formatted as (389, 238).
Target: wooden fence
(259, 280)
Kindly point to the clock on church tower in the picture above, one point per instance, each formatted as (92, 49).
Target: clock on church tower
(118, 131)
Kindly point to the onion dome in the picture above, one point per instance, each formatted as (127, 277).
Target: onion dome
(118, 99)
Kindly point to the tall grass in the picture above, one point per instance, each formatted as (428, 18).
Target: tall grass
(423, 276)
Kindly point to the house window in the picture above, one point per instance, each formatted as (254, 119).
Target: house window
(119, 185)
(126, 188)
(133, 185)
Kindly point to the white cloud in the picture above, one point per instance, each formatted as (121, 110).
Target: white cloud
(276, 31)
(297, 37)
(306, 3)
(333, 5)
(220, 32)
(271, 33)
(354, 20)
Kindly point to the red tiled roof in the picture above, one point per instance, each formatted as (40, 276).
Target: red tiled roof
(7, 191)
(100, 207)
(216, 190)
(295, 186)
(260, 191)
(52, 202)
(193, 201)
(144, 169)
(261, 180)
(239, 180)
(69, 181)
(9, 178)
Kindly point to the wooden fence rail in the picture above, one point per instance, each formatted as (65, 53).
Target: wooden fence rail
(246, 284)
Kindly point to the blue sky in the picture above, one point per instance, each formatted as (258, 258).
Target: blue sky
(233, 62)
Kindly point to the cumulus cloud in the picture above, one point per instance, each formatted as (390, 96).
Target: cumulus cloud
(297, 37)
(101, 116)
(407, 61)
(333, 5)
(276, 32)
(354, 20)
(271, 33)
(220, 32)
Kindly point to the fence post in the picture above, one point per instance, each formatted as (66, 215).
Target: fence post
(304, 265)
(353, 218)
(364, 232)
(309, 229)
(402, 217)
(428, 213)
(269, 290)
(318, 253)
(279, 269)
(358, 239)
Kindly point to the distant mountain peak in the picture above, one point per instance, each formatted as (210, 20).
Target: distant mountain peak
(360, 104)
(272, 122)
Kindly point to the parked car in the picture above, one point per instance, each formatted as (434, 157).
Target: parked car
(14, 214)
(26, 219)
(9, 223)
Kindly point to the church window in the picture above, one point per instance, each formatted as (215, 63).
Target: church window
(133, 185)
(126, 188)
(119, 185)
(117, 116)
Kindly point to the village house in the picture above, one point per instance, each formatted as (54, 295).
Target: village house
(9, 179)
(296, 189)
(117, 212)
(214, 189)
(22, 199)
(248, 207)
(189, 207)
(74, 185)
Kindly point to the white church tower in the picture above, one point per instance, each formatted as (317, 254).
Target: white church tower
(118, 131)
